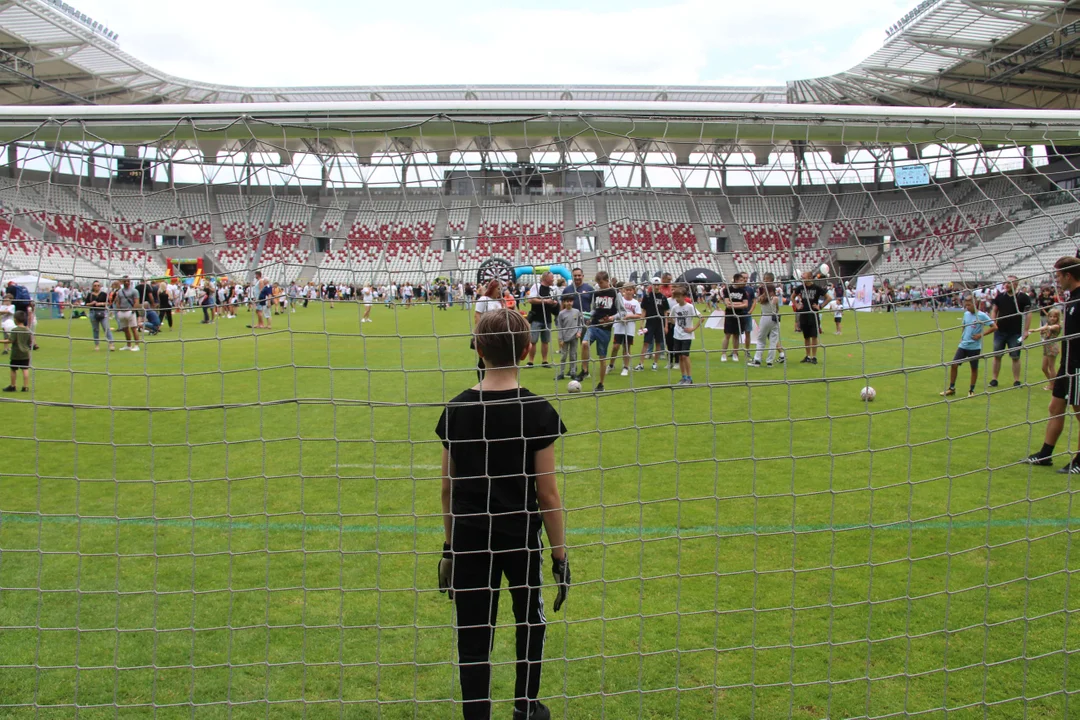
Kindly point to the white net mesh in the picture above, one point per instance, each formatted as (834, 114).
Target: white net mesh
(235, 521)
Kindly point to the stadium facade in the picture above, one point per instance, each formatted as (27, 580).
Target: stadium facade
(359, 184)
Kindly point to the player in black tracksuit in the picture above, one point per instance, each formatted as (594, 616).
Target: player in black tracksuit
(498, 492)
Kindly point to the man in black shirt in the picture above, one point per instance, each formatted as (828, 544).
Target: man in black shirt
(1044, 301)
(1010, 312)
(498, 490)
(1067, 384)
(810, 299)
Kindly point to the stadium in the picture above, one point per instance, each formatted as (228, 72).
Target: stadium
(242, 518)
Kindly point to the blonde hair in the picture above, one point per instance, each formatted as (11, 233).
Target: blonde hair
(1055, 314)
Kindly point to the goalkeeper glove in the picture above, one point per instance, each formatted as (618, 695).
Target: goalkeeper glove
(560, 570)
(446, 570)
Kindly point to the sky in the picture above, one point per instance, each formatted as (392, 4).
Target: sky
(280, 43)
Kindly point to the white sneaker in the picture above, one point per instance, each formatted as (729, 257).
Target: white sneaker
(723, 358)
(624, 372)
(135, 349)
(124, 348)
(654, 366)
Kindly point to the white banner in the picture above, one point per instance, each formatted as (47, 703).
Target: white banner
(864, 293)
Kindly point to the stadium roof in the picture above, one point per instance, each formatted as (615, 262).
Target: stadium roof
(971, 53)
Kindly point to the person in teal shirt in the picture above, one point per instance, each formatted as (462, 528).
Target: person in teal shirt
(976, 324)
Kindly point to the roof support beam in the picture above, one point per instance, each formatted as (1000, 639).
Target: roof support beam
(990, 12)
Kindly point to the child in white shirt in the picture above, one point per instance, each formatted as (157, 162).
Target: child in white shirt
(625, 327)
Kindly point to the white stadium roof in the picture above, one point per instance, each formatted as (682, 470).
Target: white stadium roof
(969, 53)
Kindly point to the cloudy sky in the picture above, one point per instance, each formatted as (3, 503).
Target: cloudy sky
(350, 42)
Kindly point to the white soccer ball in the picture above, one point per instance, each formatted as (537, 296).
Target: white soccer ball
(824, 269)
(868, 394)
(573, 386)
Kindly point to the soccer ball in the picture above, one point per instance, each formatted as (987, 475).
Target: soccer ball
(868, 394)
(824, 269)
(573, 386)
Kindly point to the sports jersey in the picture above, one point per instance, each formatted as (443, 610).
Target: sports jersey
(811, 296)
(629, 307)
(683, 320)
(973, 323)
(737, 295)
(604, 306)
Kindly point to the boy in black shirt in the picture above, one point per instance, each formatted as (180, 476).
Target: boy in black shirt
(605, 304)
(498, 489)
(811, 298)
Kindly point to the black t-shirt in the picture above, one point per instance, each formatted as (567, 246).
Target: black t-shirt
(1070, 348)
(99, 297)
(493, 442)
(544, 312)
(1044, 303)
(147, 293)
(604, 306)
(811, 296)
(738, 295)
(1010, 312)
(653, 306)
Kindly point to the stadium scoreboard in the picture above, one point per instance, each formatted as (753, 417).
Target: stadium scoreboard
(911, 175)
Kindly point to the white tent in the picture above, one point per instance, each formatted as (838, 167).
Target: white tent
(33, 283)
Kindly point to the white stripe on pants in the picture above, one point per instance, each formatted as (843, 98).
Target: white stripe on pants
(768, 332)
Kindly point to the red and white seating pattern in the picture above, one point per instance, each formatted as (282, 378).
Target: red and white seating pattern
(650, 224)
(710, 216)
(584, 214)
(777, 262)
(765, 221)
(195, 215)
(359, 261)
(335, 216)
(539, 221)
(391, 220)
(457, 217)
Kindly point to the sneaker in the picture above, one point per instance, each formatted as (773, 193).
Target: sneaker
(640, 367)
(1016, 383)
(754, 363)
(26, 389)
(947, 393)
(9, 388)
(624, 372)
(135, 348)
(560, 376)
(611, 367)
(723, 358)
(546, 365)
(813, 361)
(1040, 460)
(768, 365)
(654, 366)
(599, 387)
(124, 348)
(782, 358)
(528, 364)
(993, 383)
(1070, 469)
(539, 711)
(971, 393)
(805, 360)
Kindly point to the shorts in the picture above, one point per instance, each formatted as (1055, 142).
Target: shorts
(260, 306)
(808, 324)
(1052, 349)
(20, 363)
(681, 347)
(624, 340)
(1001, 341)
(1067, 386)
(732, 326)
(971, 356)
(654, 334)
(126, 319)
(540, 332)
(746, 324)
(600, 336)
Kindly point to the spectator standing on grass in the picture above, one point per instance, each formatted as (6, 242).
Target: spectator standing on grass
(19, 358)
(654, 306)
(543, 309)
(1045, 301)
(810, 299)
(975, 324)
(604, 306)
(769, 300)
(1050, 332)
(367, 296)
(126, 301)
(1066, 390)
(97, 302)
(570, 323)
(681, 318)
(625, 327)
(23, 301)
(581, 294)
(736, 300)
(7, 318)
(1010, 313)
(499, 491)
(165, 302)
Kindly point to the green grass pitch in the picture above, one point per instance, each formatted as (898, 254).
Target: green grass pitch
(238, 527)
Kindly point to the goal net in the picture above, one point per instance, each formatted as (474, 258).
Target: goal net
(220, 493)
